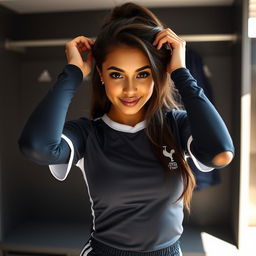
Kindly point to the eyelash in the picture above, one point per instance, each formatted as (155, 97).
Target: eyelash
(116, 73)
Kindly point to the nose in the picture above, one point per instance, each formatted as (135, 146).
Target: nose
(130, 86)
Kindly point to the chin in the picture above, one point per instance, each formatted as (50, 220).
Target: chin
(130, 112)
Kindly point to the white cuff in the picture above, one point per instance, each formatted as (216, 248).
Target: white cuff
(61, 171)
(197, 163)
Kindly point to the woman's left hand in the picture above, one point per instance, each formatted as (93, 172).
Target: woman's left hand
(178, 46)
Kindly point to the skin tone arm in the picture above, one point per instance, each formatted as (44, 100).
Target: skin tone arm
(178, 61)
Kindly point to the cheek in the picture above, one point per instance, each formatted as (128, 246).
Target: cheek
(111, 90)
(150, 88)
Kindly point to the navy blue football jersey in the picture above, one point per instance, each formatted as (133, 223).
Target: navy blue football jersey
(132, 196)
(133, 199)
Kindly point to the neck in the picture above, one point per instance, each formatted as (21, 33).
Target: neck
(130, 120)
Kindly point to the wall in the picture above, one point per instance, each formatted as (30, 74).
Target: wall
(9, 112)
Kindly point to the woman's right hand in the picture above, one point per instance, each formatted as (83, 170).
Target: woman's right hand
(74, 50)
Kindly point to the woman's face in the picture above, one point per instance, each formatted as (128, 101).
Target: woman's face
(128, 82)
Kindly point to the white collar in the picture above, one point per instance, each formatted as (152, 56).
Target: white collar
(123, 127)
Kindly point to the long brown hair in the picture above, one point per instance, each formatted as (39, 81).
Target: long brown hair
(136, 26)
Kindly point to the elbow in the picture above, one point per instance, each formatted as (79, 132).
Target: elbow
(222, 159)
(28, 150)
(24, 147)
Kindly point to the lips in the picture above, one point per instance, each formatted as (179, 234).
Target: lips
(130, 101)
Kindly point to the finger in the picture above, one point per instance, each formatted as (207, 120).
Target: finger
(163, 33)
(79, 45)
(82, 40)
(84, 48)
(171, 32)
(165, 39)
(85, 43)
(91, 41)
(159, 35)
(89, 58)
(168, 38)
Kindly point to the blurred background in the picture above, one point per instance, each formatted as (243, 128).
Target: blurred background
(40, 215)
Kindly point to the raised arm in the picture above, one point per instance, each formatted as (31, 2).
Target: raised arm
(209, 139)
(41, 139)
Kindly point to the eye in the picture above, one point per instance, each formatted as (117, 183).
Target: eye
(115, 75)
(143, 74)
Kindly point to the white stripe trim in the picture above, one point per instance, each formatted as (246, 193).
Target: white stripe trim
(87, 248)
(197, 163)
(180, 251)
(80, 164)
(123, 127)
(89, 193)
(61, 171)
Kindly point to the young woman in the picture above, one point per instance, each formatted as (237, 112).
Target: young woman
(132, 149)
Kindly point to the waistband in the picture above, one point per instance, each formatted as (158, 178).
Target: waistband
(103, 249)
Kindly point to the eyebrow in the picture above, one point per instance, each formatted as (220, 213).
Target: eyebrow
(137, 70)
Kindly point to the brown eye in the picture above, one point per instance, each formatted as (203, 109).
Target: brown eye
(115, 75)
(143, 74)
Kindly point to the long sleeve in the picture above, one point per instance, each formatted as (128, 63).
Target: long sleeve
(202, 128)
(42, 139)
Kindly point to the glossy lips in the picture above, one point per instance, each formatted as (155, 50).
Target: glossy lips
(130, 101)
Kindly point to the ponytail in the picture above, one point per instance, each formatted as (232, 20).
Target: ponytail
(132, 11)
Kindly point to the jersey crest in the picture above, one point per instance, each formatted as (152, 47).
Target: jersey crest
(172, 165)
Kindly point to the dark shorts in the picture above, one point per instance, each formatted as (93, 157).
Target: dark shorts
(95, 248)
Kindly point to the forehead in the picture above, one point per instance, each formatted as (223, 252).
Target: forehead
(126, 57)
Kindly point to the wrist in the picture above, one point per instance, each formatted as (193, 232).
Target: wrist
(173, 70)
(74, 71)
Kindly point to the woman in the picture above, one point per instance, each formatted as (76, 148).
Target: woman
(133, 148)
